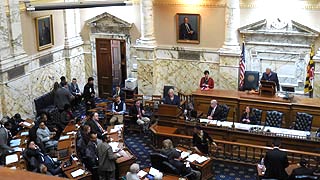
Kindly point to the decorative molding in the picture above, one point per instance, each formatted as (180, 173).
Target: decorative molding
(203, 3)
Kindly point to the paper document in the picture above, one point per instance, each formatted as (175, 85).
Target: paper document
(63, 137)
(71, 133)
(118, 127)
(26, 124)
(204, 120)
(185, 154)
(77, 173)
(142, 173)
(193, 157)
(26, 133)
(153, 171)
(201, 159)
(114, 146)
(11, 159)
(17, 149)
(15, 142)
(113, 130)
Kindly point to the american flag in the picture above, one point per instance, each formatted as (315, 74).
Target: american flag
(242, 66)
(308, 85)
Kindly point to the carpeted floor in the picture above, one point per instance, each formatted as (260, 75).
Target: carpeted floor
(140, 146)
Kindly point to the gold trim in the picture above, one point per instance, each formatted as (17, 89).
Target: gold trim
(49, 44)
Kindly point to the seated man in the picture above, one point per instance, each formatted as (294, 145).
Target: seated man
(75, 91)
(118, 92)
(118, 110)
(302, 170)
(174, 159)
(271, 76)
(172, 99)
(138, 114)
(206, 82)
(201, 140)
(214, 111)
(66, 116)
(36, 158)
(16, 124)
(46, 137)
(95, 125)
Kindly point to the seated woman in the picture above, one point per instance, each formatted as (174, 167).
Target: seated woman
(248, 117)
(201, 140)
(172, 99)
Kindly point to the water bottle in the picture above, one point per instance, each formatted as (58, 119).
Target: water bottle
(262, 161)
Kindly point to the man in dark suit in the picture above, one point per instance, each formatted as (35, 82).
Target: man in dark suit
(276, 161)
(92, 155)
(172, 99)
(75, 91)
(118, 92)
(186, 32)
(302, 170)
(271, 76)
(62, 96)
(214, 111)
(95, 125)
(88, 94)
(4, 148)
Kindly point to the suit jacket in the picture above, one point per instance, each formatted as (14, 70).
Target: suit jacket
(252, 118)
(120, 93)
(95, 128)
(106, 157)
(172, 155)
(300, 171)
(217, 115)
(134, 111)
(91, 154)
(3, 140)
(183, 32)
(276, 161)
(74, 89)
(61, 97)
(175, 101)
(272, 77)
(210, 82)
(87, 91)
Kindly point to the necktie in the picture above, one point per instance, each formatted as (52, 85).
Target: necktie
(139, 111)
(187, 27)
(99, 126)
(212, 112)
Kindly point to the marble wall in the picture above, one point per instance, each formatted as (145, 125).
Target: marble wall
(162, 66)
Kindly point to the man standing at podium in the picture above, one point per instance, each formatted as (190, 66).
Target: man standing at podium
(271, 76)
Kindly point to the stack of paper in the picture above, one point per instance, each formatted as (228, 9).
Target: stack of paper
(185, 154)
(204, 120)
(114, 146)
(113, 130)
(26, 133)
(193, 157)
(63, 137)
(118, 127)
(15, 142)
(26, 124)
(17, 149)
(201, 159)
(154, 172)
(77, 173)
(11, 159)
(142, 173)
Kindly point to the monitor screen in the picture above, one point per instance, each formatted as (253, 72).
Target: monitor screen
(287, 88)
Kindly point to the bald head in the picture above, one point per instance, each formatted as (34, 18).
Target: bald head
(213, 103)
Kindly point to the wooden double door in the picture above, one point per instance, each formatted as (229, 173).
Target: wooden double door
(111, 65)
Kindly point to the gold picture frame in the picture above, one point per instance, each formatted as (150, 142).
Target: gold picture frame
(44, 32)
(188, 28)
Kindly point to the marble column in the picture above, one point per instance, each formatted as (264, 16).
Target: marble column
(316, 81)
(232, 23)
(4, 33)
(15, 28)
(147, 23)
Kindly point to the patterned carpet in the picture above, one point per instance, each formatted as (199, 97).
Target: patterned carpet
(140, 146)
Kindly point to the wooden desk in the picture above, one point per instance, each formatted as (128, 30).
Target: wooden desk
(238, 100)
(86, 176)
(8, 174)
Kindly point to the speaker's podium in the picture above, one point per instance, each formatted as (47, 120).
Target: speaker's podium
(267, 88)
(168, 112)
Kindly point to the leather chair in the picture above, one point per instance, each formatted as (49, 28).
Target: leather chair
(258, 114)
(225, 112)
(157, 159)
(274, 118)
(303, 122)
(251, 80)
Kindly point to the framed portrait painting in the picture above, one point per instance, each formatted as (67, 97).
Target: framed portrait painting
(188, 28)
(44, 32)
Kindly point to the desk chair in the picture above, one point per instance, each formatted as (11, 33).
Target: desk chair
(303, 122)
(225, 112)
(274, 119)
(258, 114)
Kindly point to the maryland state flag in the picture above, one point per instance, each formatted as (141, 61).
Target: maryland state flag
(310, 73)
